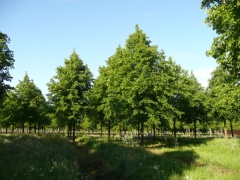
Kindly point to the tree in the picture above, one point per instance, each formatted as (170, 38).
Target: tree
(67, 92)
(97, 98)
(210, 3)
(139, 86)
(224, 18)
(25, 104)
(6, 63)
(195, 109)
(9, 111)
(131, 83)
(224, 96)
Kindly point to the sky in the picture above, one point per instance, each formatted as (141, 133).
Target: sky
(44, 33)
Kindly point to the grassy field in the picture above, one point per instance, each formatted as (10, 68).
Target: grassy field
(37, 157)
(54, 157)
(203, 158)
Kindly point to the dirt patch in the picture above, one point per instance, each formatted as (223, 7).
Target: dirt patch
(219, 170)
(92, 167)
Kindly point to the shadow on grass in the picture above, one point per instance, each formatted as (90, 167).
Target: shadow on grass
(127, 162)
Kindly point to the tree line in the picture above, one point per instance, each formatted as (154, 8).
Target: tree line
(138, 88)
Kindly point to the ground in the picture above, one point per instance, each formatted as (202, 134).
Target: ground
(93, 167)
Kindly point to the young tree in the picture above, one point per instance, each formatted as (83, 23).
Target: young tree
(67, 92)
(98, 103)
(9, 110)
(194, 110)
(224, 96)
(131, 72)
(25, 104)
(6, 63)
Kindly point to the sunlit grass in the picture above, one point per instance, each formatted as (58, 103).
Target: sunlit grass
(37, 157)
(203, 158)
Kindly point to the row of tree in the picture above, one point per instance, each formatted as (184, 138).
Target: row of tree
(138, 88)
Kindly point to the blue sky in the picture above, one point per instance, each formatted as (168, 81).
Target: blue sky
(44, 32)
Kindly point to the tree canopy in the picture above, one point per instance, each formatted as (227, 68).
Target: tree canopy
(224, 17)
(6, 63)
(139, 87)
(25, 104)
(67, 91)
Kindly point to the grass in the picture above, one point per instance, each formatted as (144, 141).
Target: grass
(51, 156)
(37, 157)
(201, 158)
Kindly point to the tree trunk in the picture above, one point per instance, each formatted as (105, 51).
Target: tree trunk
(6, 130)
(142, 132)
(13, 128)
(22, 127)
(174, 128)
(210, 132)
(195, 128)
(101, 130)
(138, 129)
(74, 130)
(109, 129)
(30, 127)
(154, 132)
(231, 128)
(225, 128)
(70, 130)
(35, 128)
(120, 131)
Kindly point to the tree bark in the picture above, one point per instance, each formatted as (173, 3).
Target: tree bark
(138, 129)
(231, 128)
(210, 132)
(35, 128)
(74, 130)
(142, 132)
(120, 131)
(225, 129)
(195, 128)
(154, 132)
(109, 129)
(174, 128)
(13, 127)
(101, 130)
(30, 127)
(22, 127)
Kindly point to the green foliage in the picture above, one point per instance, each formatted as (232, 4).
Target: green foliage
(224, 18)
(6, 63)
(67, 91)
(138, 85)
(210, 3)
(223, 93)
(23, 104)
(32, 157)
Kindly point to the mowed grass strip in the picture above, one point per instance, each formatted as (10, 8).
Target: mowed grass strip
(203, 158)
(48, 156)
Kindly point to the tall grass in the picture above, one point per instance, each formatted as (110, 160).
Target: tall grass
(191, 159)
(37, 157)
